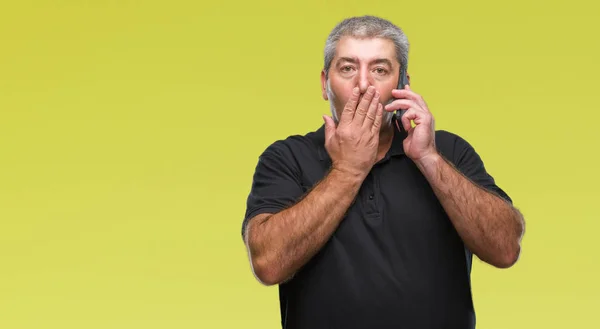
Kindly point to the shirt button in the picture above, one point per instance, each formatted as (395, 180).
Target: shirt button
(370, 196)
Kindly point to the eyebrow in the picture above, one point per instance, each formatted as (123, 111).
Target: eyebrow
(375, 61)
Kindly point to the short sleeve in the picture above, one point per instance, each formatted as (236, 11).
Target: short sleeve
(276, 183)
(471, 165)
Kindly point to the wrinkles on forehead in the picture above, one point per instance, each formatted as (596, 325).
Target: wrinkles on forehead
(366, 51)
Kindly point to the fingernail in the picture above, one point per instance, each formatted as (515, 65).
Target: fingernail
(355, 91)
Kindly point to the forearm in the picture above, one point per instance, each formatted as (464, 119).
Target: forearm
(281, 243)
(488, 225)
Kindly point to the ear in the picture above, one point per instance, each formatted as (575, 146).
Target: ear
(324, 85)
(408, 77)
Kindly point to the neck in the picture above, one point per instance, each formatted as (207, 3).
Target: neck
(386, 136)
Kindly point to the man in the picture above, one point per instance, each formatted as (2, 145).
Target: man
(363, 224)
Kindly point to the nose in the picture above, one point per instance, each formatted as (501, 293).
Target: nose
(364, 80)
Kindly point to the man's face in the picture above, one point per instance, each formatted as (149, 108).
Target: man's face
(361, 63)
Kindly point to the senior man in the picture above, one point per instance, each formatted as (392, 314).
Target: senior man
(372, 220)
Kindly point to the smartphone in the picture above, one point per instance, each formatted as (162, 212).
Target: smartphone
(402, 81)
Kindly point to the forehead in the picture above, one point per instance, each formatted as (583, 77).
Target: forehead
(366, 49)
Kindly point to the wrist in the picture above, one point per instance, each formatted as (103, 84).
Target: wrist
(430, 160)
(347, 174)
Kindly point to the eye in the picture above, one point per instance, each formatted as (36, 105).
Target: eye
(380, 70)
(346, 68)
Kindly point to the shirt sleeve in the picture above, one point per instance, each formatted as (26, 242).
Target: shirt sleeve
(471, 165)
(276, 183)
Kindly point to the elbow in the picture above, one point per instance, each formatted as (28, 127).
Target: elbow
(264, 269)
(266, 272)
(511, 253)
(509, 257)
(264, 262)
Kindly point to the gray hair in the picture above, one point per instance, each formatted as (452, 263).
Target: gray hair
(367, 27)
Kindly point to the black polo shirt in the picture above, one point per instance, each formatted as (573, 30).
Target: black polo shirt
(395, 261)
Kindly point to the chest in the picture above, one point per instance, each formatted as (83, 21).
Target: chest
(395, 200)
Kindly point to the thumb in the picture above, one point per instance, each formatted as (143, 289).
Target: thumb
(329, 126)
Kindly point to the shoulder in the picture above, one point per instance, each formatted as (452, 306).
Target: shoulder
(450, 144)
(446, 138)
(297, 146)
(295, 155)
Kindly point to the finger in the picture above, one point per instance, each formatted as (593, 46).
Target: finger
(416, 116)
(329, 127)
(406, 119)
(363, 106)
(378, 120)
(401, 104)
(407, 93)
(349, 109)
(372, 111)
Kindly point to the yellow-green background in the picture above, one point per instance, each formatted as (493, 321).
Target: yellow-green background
(129, 133)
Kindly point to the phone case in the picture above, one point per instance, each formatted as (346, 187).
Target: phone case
(402, 81)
